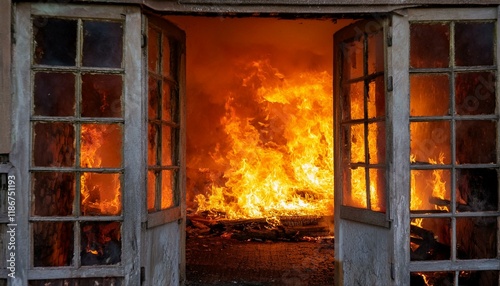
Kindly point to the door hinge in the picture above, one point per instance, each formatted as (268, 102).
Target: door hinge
(389, 83)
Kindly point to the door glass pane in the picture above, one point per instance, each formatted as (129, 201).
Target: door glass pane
(166, 57)
(54, 94)
(477, 190)
(52, 193)
(375, 53)
(167, 189)
(477, 238)
(355, 190)
(166, 148)
(353, 95)
(430, 45)
(429, 94)
(376, 98)
(353, 58)
(101, 145)
(475, 93)
(430, 142)
(476, 141)
(430, 190)
(474, 43)
(55, 41)
(377, 190)
(430, 239)
(53, 245)
(53, 144)
(376, 142)
(153, 49)
(101, 95)
(102, 44)
(153, 134)
(100, 194)
(101, 243)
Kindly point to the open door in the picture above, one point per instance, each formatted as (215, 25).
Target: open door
(164, 244)
(362, 226)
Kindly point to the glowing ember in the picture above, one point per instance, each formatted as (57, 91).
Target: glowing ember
(280, 158)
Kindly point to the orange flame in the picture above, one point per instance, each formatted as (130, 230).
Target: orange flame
(100, 192)
(280, 159)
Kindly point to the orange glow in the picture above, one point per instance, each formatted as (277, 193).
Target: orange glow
(280, 159)
(100, 147)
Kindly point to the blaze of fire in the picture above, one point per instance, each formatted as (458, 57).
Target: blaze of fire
(280, 160)
(100, 193)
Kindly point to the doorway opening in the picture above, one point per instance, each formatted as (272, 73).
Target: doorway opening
(259, 149)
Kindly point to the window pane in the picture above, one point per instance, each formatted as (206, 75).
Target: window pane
(353, 59)
(477, 238)
(102, 44)
(377, 190)
(477, 190)
(167, 189)
(475, 93)
(430, 239)
(476, 142)
(53, 193)
(429, 95)
(169, 105)
(153, 49)
(166, 146)
(429, 45)
(152, 144)
(53, 245)
(54, 94)
(355, 143)
(376, 98)
(55, 41)
(166, 56)
(53, 144)
(101, 243)
(353, 101)
(153, 98)
(151, 195)
(430, 142)
(430, 190)
(101, 145)
(474, 43)
(100, 194)
(354, 193)
(375, 53)
(101, 95)
(376, 142)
